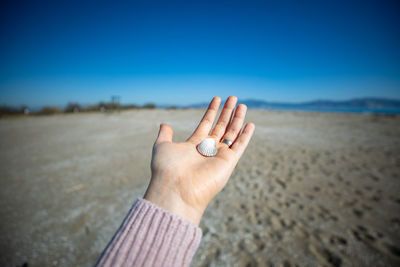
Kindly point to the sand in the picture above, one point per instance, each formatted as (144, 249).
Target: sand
(312, 189)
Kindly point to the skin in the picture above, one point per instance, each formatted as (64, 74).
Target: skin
(183, 181)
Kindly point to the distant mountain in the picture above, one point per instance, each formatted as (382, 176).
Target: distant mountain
(378, 105)
(356, 103)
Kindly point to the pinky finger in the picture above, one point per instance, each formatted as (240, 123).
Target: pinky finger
(243, 140)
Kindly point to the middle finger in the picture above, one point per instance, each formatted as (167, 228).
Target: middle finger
(224, 118)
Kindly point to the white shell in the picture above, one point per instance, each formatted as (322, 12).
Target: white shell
(208, 147)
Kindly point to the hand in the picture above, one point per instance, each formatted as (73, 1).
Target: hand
(183, 181)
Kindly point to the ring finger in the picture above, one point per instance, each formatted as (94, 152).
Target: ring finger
(236, 125)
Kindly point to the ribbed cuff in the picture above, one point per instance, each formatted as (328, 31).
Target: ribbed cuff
(152, 236)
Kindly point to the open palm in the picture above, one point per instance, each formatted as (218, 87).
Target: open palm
(184, 181)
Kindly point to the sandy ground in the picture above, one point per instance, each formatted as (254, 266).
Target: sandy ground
(311, 190)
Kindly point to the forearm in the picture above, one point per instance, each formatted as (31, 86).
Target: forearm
(151, 236)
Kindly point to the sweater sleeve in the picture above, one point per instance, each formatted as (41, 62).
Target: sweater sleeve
(152, 236)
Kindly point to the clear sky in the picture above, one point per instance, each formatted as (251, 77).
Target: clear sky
(182, 52)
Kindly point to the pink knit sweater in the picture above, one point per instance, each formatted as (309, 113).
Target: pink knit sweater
(151, 236)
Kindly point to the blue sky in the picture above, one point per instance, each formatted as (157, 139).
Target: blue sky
(181, 52)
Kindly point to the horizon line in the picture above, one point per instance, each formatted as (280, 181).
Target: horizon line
(202, 102)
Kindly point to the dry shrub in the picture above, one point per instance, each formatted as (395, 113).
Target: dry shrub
(73, 108)
(149, 106)
(6, 110)
(49, 110)
(132, 106)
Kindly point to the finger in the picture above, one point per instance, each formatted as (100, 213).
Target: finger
(224, 118)
(243, 140)
(237, 122)
(165, 134)
(206, 122)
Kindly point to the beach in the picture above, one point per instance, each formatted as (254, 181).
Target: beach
(312, 189)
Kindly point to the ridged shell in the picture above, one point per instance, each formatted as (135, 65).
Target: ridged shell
(208, 147)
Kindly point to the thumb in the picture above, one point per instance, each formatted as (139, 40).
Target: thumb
(165, 134)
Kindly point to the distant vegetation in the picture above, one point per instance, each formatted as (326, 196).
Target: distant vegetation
(369, 105)
(5, 110)
(49, 111)
(72, 108)
(149, 106)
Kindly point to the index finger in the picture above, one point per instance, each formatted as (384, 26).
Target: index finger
(206, 122)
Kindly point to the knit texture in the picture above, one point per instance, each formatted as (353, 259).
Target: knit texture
(152, 236)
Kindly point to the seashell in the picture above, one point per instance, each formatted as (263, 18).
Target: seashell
(208, 147)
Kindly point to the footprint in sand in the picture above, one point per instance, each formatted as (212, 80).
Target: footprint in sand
(325, 256)
(374, 178)
(358, 213)
(376, 198)
(358, 192)
(393, 250)
(281, 183)
(365, 235)
(337, 240)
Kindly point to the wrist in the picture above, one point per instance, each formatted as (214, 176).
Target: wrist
(167, 199)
